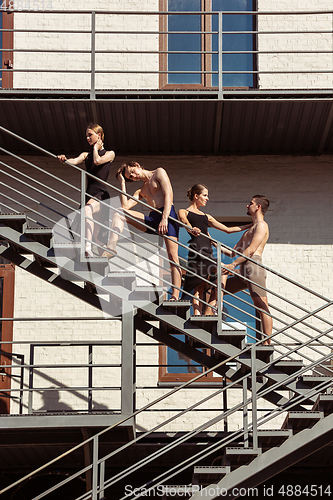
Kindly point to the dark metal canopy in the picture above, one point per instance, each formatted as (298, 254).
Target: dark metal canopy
(173, 123)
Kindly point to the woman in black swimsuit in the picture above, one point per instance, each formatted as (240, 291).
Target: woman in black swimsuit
(201, 263)
(97, 163)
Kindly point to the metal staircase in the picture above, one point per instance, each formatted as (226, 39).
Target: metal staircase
(292, 377)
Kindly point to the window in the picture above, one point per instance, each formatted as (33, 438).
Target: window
(186, 368)
(6, 42)
(193, 33)
(6, 332)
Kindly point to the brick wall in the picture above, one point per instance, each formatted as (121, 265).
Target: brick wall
(307, 64)
(139, 65)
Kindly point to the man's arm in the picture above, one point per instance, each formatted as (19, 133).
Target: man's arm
(257, 238)
(127, 203)
(166, 188)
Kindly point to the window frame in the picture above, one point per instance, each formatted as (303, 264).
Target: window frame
(170, 378)
(206, 44)
(7, 43)
(7, 272)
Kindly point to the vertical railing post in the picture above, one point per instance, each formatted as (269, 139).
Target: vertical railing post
(127, 359)
(31, 378)
(101, 480)
(82, 214)
(245, 415)
(219, 290)
(93, 56)
(95, 469)
(90, 377)
(254, 396)
(220, 55)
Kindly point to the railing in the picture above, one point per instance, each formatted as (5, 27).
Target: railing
(110, 52)
(300, 333)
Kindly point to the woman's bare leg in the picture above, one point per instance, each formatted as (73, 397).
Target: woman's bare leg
(91, 208)
(197, 304)
(213, 297)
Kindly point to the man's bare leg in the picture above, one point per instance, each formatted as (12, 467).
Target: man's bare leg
(266, 320)
(176, 274)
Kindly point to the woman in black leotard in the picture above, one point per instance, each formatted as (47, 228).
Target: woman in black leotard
(201, 263)
(97, 163)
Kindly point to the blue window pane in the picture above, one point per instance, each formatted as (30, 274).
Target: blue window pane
(237, 62)
(186, 41)
(176, 358)
(192, 42)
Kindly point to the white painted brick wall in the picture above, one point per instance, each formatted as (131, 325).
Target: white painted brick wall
(304, 63)
(81, 63)
(300, 247)
(308, 65)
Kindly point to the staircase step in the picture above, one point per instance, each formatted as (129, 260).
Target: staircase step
(41, 235)
(179, 307)
(267, 438)
(44, 262)
(125, 279)
(299, 420)
(233, 333)
(14, 221)
(210, 474)
(263, 352)
(237, 456)
(314, 380)
(205, 322)
(324, 403)
(289, 366)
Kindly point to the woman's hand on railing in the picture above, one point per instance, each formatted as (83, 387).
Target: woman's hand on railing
(195, 231)
(62, 158)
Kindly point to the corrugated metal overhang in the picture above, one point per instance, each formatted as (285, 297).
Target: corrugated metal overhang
(174, 125)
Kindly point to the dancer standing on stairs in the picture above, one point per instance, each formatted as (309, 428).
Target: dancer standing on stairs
(157, 191)
(97, 163)
(252, 245)
(201, 263)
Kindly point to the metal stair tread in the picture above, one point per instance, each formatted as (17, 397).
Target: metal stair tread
(239, 450)
(325, 401)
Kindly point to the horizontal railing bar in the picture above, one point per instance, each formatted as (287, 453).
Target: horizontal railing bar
(49, 174)
(34, 188)
(60, 318)
(153, 72)
(156, 52)
(168, 13)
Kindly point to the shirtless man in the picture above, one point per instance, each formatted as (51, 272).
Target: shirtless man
(252, 245)
(156, 190)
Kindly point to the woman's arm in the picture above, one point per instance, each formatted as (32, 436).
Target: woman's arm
(100, 160)
(229, 230)
(74, 161)
(182, 214)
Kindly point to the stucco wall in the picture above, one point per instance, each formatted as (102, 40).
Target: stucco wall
(300, 247)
